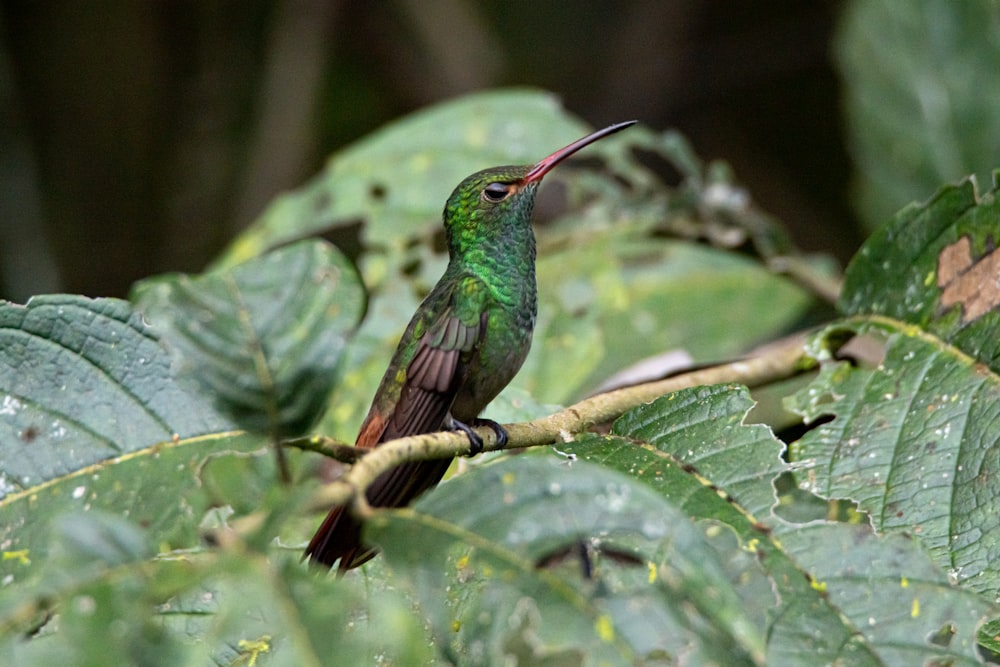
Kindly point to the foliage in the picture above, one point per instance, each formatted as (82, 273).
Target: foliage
(919, 110)
(143, 522)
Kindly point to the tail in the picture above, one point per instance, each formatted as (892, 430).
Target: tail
(338, 538)
(340, 535)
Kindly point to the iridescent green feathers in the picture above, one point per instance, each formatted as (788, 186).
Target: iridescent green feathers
(486, 208)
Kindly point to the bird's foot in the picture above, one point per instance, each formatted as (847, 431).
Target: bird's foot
(475, 442)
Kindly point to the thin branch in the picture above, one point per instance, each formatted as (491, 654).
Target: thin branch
(807, 276)
(776, 362)
(329, 447)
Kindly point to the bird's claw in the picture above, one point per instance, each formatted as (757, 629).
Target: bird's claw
(475, 442)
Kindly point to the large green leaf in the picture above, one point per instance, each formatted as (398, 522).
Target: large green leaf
(920, 96)
(837, 587)
(612, 297)
(935, 265)
(161, 487)
(83, 380)
(692, 447)
(104, 600)
(904, 605)
(914, 440)
(914, 435)
(275, 611)
(223, 607)
(397, 179)
(483, 553)
(263, 338)
(703, 428)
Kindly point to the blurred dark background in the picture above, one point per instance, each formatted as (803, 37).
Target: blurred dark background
(139, 137)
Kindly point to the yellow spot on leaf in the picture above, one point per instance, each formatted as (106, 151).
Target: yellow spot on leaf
(21, 556)
(605, 629)
(456, 625)
(915, 608)
(904, 582)
(254, 647)
(818, 585)
(752, 545)
(507, 479)
(652, 571)
(462, 562)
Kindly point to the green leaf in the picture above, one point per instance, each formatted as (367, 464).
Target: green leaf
(703, 429)
(263, 338)
(105, 600)
(914, 440)
(398, 178)
(196, 608)
(281, 613)
(83, 380)
(100, 539)
(935, 265)
(491, 555)
(989, 639)
(691, 447)
(832, 581)
(160, 487)
(892, 592)
(616, 280)
(920, 96)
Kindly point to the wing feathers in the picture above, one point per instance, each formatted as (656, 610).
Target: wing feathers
(432, 380)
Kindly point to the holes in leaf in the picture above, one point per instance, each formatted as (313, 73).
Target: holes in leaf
(943, 636)
(862, 350)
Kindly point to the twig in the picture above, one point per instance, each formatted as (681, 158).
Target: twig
(779, 361)
(326, 446)
(805, 274)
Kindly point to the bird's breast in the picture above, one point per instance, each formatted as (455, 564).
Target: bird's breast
(500, 356)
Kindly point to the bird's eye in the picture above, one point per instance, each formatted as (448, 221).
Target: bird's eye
(496, 192)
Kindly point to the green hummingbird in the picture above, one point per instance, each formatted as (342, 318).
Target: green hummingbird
(466, 341)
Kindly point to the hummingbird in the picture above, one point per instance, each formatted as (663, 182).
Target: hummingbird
(466, 341)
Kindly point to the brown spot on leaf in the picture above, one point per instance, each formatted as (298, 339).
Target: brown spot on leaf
(29, 434)
(975, 286)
